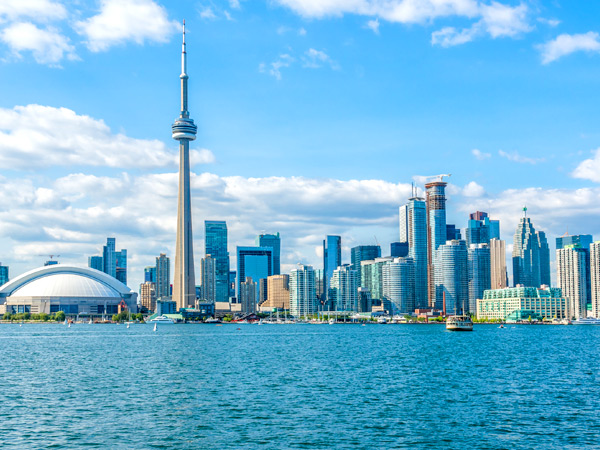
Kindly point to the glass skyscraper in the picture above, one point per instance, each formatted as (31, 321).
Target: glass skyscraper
(163, 277)
(530, 253)
(417, 246)
(303, 299)
(111, 262)
(399, 285)
(363, 253)
(479, 273)
(3, 274)
(215, 245)
(399, 249)
(332, 259)
(571, 277)
(480, 228)
(150, 274)
(253, 262)
(344, 289)
(583, 241)
(436, 231)
(273, 241)
(451, 277)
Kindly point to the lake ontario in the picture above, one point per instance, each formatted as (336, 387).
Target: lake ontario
(299, 386)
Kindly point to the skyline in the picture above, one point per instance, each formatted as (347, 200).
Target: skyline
(292, 152)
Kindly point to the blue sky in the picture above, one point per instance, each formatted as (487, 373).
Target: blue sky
(314, 117)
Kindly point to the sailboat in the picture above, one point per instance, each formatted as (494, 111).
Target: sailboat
(155, 326)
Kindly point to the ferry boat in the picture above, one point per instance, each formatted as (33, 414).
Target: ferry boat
(586, 321)
(459, 323)
(162, 320)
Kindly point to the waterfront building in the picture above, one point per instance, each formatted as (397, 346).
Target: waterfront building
(363, 253)
(435, 195)
(163, 277)
(184, 131)
(530, 252)
(399, 285)
(208, 279)
(303, 299)
(150, 274)
(417, 247)
(583, 241)
(253, 262)
(148, 296)
(215, 245)
(364, 300)
(344, 289)
(248, 295)
(399, 249)
(3, 274)
(479, 272)
(452, 233)
(522, 303)
(273, 241)
(95, 262)
(451, 278)
(77, 291)
(595, 278)
(278, 292)
(332, 259)
(498, 278)
(372, 276)
(571, 277)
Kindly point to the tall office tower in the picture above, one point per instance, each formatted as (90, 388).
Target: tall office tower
(494, 229)
(150, 274)
(215, 244)
(372, 276)
(3, 274)
(148, 295)
(417, 247)
(436, 230)
(451, 277)
(95, 262)
(452, 233)
(247, 295)
(319, 282)
(399, 285)
(109, 259)
(480, 228)
(163, 277)
(363, 253)
(344, 289)
(364, 300)
(263, 290)
(254, 262)
(208, 279)
(303, 299)
(121, 263)
(478, 272)
(594, 278)
(404, 223)
(278, 292)
(273, 241)
(332, 259)
(399, 249)
(184, 131)
(498, 264)
(528, 257)
(571, 277)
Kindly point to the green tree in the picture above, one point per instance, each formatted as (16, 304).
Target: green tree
(60, 316)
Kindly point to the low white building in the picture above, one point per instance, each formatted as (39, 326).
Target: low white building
(521, 303)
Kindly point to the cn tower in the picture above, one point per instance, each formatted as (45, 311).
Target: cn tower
(184, 131)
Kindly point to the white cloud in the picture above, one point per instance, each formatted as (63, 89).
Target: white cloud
(589, 169)
(481, 156)
(549, 22)
(37, 10)
(503, 20)
(313, 59)
(373, 25)
(516, 157)
(228, 16)
(301, 31)
(120, 21)
(41, 136)
(473, 190)
(274, 68)
(565, 44)
(207, 13)
(450, 36)
(234, 4)
(47, 46)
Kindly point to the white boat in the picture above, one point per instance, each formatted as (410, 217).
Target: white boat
(331, 321)
(162, 320)
(155, 326)
(586, 321)
(212, 320)
(459, 323)
(382, 320)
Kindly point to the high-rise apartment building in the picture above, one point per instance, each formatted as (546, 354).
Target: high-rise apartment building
(148, 296)
(278, 292)
(595, 278)
(372, 276)
(452, 233)
(332, 259)
(216, 246)
(109, 258)
(254, 262)
(95, 262)
(545, 277)
(150, 274)
(571, 277)
(344, 289)
(480, 228)
(417, 247)
(435, 195)
(303, 299)
(451, 277)
(248, 295)
(498, 264)
(399, 285)
(273, 241)
(121, 260)
(583, 241)
(479, 272)
(530, 252)
(3, 274)
(208, 279)
(399, 249)
(163, 277)
(363, 253)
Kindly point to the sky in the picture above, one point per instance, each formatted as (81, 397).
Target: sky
(314, 117)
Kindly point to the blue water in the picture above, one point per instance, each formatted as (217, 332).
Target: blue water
(299, 387)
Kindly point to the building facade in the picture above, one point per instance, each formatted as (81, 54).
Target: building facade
(278, 292)
(372, 276)
(498, 277)
(417, 247)
(451, 282)
(595, 278)
(254, 262)
(399, 285)
(208, 279)
(248, 295)
(163, 277)
(303, 299)
(148, 296)
(332, 259)
(435, 195)
(273, 241)
(530, 256)
(571, 278)
(363, 253)
(479, 273)
(3, 274)
(520, 303)
(215, 244)
(344, 289)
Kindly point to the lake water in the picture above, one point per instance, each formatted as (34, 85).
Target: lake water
(299, 387)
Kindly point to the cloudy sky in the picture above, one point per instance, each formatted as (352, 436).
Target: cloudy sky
(314, 118)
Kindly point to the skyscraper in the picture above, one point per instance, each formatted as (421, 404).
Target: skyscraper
(163, 277)
(215, 245)
(399, 285)
(363, 253)
(121, 266)
(3, 274)
(595, 278)
(248, 295)
(109, 258)
(571, 277)
(417, 247)
(452, 233)
(404, 223)
(479, 273)
(583, 241)
(531, 258)
(150, 274)
(399, 249)
(451, 277)
(148, 295)
(254, 262)
(332, 259)
(95, 262)
(436, 230)
(273, 241)
(278, 292)
(111, 262)
(184, 131)
(303, 299)
(344, 289)
(208, 277)
(498, 264)
(480, 228)
(372, 276)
